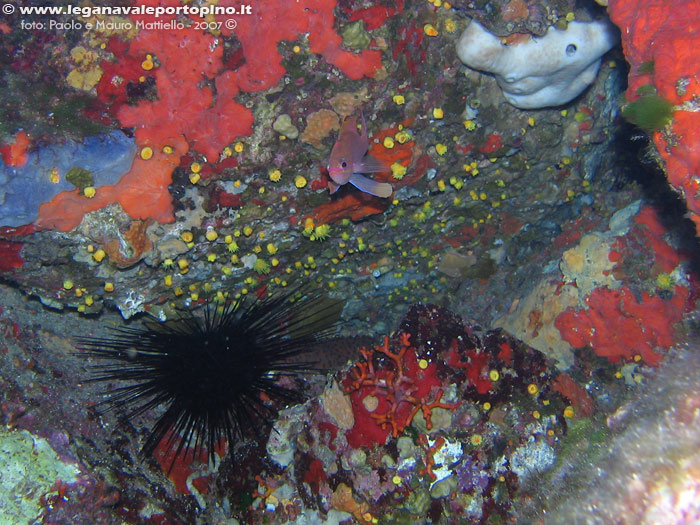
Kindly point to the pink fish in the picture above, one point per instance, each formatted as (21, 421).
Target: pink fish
(349, 160)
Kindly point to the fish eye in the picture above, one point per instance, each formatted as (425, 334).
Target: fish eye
(343, 164)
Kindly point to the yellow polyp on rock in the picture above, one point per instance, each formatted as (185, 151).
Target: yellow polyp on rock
(438, 113)
(109, 287)
(194, 178)
(99, 255)
(441, 149)
(147, 64)
(402, 136)
(321, 232)
(261, 266)
(430, 30)
(238, 147)
(398, 170)
(299, 181)
(399, 100)
(275, 175)
(146, 153)
(211, 235)
(388, 142)
(664, 281)
(469, 125)
(167, 150)
(187, 236)
(89, 192)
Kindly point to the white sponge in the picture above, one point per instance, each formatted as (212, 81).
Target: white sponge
(541, 72)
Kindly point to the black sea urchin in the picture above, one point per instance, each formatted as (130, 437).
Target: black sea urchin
(212, 373)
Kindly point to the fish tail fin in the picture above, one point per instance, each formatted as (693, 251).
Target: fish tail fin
(378, 189)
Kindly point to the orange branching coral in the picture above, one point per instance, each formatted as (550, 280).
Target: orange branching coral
(430, 452)
(401, 386)
(318, 126)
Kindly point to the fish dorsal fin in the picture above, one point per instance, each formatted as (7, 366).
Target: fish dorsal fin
(369, 164)
(364, 126)
(378, 189)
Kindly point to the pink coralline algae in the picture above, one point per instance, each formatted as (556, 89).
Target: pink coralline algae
(399, 391)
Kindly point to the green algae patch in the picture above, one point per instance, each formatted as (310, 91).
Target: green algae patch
(80, 178)
(650, 112)
(355, 36)
(29, 468)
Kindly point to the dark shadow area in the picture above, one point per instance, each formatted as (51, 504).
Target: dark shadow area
(637, 161)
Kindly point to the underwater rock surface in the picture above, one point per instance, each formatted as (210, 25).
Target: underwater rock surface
(642, 464)
(530, 271)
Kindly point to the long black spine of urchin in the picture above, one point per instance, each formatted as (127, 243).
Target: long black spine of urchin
(209, 371)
